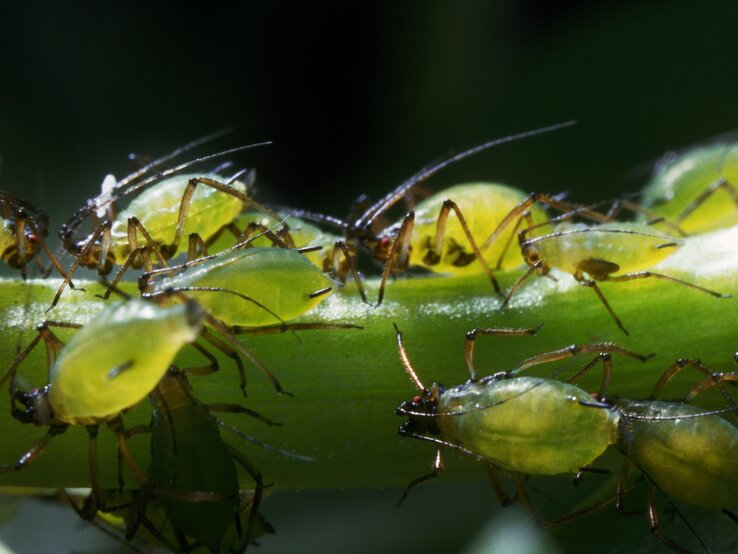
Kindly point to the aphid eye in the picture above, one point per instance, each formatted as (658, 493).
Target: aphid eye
(533, 257)
(417, 399)
(384, 242)
(32, 238)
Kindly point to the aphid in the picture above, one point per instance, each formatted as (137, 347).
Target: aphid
(109, 365)
(170, 207)
(695, 191)
(598, 253)
(687, 453)
(193, 476)
(245, 286)
(429, 236)
(23, 235)
(523, 425)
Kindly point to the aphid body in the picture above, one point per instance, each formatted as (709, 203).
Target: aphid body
(237, 285)
(484, 206)
(696, 190)
(692, 459)
(190, 459)
(525, 424)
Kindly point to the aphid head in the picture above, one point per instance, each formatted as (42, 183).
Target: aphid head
(36, 408)
(421, 413)
(532, 256)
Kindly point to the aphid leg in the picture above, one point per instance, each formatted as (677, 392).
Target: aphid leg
(406, 360)
(258, 491)
(492, 331)
(494, 480)
(28, 458)
(449, 205)
(228, 351)
(655, 525)
(647, 274)
(593, 285)
(730, 514)
(132, 432)
(439, 464)
(282, 238)
(184, 206)
(141, 252)
(654, 218)
(84, 255)
(116, 425)
(211, 367)
(398, 252)
(526, 216)
(196, 247)
(517, 284)
(521, 494)
(163, 252)
(713, 379)
(719, 184)
(21, 222)
(340, 247)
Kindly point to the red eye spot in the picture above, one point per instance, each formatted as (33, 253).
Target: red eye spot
(32, 238)
(533, 257)
(385, 241)
(417, 398)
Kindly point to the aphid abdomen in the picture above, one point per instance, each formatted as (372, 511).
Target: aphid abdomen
(692, 459)
(157, 208)
(630, 246)
(679, 182)
(115, 360)
(189, 458)
(281, 279)
(483, 205)
(527, 424)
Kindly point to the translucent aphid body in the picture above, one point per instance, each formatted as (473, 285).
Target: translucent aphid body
(157, 208)
(526, 424)
(484, 206)
(247, 286)
(691, 459)
(114, 361)
(696, 190)
(615, 252)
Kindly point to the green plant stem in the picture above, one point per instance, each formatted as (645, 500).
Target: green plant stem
(347, 383)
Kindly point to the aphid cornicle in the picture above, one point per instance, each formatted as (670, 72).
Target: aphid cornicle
(614, 252)
(695, 191)
(23, 233)
(429, 236)
(170, 206)
(523, 425)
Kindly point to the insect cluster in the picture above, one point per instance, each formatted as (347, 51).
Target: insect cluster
(211, 262)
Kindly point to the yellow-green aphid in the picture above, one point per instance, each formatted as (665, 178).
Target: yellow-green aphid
(115, 360)
(688, 453)
(613, 252)
(23, 232)
(696, 190)
(169, 207)
(193, 472)
(157, 208)
(484, 206)
(520, 424)
(247, 286)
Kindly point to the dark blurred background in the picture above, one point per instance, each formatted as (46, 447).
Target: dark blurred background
(358, 97)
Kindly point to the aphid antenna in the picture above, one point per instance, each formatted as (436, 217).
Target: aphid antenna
(314, 217)
(261, 444)
(406, 360)
(173, 154)
(679, 513)
(440, 442)
(557, 234)
(367, 218)
(707, 413)
(176, 169)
